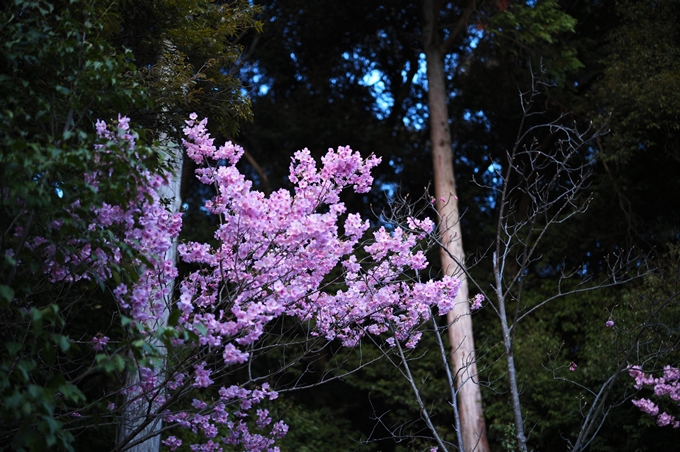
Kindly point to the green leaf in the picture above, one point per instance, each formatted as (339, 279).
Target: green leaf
(174, 317)
(13, 347)
(119, 363)
(72, 393)
(62, 341)
(201, 329)
(6, 293)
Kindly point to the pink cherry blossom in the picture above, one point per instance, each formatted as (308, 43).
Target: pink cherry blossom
(477, 301)
(99, 342)
(667, 385)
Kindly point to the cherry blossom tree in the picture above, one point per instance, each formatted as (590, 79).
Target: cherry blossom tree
(296, 254)
(274, 257)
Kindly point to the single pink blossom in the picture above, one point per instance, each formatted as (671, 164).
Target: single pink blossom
(664, 419)
(476, 302)
(99, 342)
(172, 442)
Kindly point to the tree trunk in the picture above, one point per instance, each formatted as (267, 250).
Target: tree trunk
(473, 425)
(142, 410)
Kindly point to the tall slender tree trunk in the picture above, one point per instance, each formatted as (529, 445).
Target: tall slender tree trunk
(142, 411)
(473, 425)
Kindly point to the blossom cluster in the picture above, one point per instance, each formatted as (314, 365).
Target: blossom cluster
(209, 417)
(275, 253)
(149, 228)
(144, 224)
(277, 250)
(666, 385)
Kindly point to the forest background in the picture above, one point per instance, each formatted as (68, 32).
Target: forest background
(280, 76)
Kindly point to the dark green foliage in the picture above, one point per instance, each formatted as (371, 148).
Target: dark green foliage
(535, 34)
(312, 428)
(57, 72)
(639, 88)
(64, 64)
(641, 77)
(187, 55)
(396, 414)
(555, 399)
(29, 400)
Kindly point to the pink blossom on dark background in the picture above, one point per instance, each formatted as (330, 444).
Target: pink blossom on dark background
(667, 385)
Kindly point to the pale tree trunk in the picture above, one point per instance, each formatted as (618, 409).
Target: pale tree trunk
(473, 425)
(173, 156)
(142, 411)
